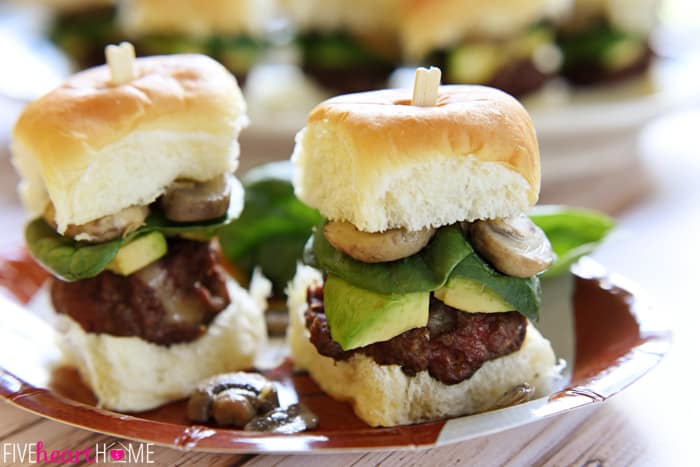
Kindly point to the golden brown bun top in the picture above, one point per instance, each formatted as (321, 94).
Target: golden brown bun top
(467, 120)
(74, 5)
(88, 111)
(631, 16)
(198, 18)
(358, 16)
(435, 24)
(93, 148)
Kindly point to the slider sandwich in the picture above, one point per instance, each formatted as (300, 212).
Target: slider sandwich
(231, 31)
(346, 45)
(419, 292)
(82, 28)
(507, 44)
(607, 40)
(127, 174)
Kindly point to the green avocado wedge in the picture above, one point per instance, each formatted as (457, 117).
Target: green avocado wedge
(523, 294)
(471, 296)
(358, 317)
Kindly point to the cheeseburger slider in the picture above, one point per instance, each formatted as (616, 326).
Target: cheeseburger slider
(231, 31)
(607, 40)
(127, 172)
(346, 45)
(423, 282)
(507, 44)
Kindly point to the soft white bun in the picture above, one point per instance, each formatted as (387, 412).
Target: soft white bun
(198, 18)
(632, 16)
(376, 161)
(129, 374)
(73, 5)
(428, 25)
(357, 16)
(93, 148)
(382, 395)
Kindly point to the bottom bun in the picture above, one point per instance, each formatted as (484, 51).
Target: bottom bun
(383, 395)
(129, 374)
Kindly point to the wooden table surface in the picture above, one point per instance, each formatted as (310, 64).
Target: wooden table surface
(657, 245)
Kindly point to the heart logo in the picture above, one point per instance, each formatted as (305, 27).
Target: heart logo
(116, 454)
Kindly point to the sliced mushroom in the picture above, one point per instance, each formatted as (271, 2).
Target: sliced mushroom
(292, 419)
(234, 407)
(191, 201)
(515, 246)
(232, 398)
(376, 247)
(105, 228)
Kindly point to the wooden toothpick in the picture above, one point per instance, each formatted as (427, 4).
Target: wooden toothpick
(425, 86)
(120, 59)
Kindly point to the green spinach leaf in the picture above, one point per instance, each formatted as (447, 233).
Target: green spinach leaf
(424, 271)
(66, 258)
(572, 232)
(273, 227)
(72, 260)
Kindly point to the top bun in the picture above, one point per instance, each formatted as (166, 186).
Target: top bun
(198, 18)
(76, 5)
(358, 16)
(92, 147)
(380, 163)
(631, 16)
(428, 25)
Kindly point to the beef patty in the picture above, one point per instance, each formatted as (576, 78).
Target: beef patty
(451, 347)
(518, 77)
(171, 300)
(592, 71)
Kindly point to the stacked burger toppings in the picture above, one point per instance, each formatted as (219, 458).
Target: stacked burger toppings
(231, 31)
(607, 40)
(82, 28)
(127, 172)
(346, 45)
(423, 281)
(507, 44)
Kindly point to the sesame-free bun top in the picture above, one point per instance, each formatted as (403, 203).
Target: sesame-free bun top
(631, 16)
(74, 5)
(93, 147)
(378, 162)
(197, 18)
(428, 24)
(357, 16)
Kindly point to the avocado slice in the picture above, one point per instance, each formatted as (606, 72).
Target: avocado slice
(139, 253)
(358, 317)
(471, 296)
(474, 63)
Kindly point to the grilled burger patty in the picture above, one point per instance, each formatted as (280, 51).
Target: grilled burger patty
(588, 72)
(452, 347)
(171, 300)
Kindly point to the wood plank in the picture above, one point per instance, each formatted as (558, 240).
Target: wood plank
(607, 439)
(14, 419)
(521, 446)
